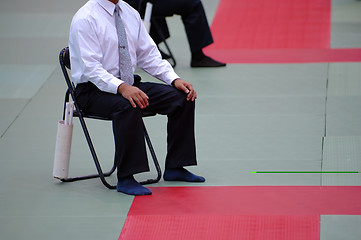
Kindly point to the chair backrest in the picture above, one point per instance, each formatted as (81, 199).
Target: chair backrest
(64, 60)
(65, 57)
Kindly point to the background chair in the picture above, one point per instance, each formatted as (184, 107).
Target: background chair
(157, 24)
(64, 60)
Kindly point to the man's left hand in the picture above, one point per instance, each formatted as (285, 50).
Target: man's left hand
(185, 87)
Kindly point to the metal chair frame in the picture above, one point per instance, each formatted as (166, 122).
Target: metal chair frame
(64, 60)
(164, 41)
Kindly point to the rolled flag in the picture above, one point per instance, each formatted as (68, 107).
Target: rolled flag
(63, 143)
(147, 16)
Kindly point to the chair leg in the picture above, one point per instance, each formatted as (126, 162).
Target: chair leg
(174, 63)
(155, 24)
(66, 99)
(155, 160)
(102, 175)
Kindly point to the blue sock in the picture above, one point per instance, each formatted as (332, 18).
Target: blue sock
(129, 185)
(181, 174)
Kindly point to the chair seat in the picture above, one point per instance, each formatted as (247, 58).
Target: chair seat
(144, 114)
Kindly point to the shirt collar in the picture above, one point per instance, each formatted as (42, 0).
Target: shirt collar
(109, 6)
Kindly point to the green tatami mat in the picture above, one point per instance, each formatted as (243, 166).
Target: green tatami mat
(233, 137)
(346, 24)
(260, 80)
(344, 98)
(44, 25)
(243, 125)
(346, 35)
(10, 109)
(237, 172)
(343, 116)
(342, 154)
(344, 79)
(335, 227)
(57, 227)
(31, 200)
(23, 81)
(345, 11)
(18, 84)
(265, 105)
(269, 148)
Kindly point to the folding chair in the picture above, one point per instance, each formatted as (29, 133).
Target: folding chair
(64, 60)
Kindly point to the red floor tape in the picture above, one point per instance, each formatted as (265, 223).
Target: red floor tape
(285, 55)
(277, 31)
(254, 212)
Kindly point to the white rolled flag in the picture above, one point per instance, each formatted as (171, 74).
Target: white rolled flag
(62, 150)
(147, 16)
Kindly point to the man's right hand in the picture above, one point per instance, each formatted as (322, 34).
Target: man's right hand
(134, 95)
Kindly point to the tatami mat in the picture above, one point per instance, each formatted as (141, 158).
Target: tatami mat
(266, 105)
(203, 227)
(43, 25)
(342, 143)
(12, 112)
(59, 227)
(340, 227)
(261, 80)
(262, 147)
(31, 200)
(344, 79)
(23, 81)
(346, 24)
(249, 117)
(280, 212)
(342, 153)
(346, 35)
(345, 11)
(238, 172)
(343, 117)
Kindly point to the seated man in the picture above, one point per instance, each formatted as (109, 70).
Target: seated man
(194, 21)
(107, 41)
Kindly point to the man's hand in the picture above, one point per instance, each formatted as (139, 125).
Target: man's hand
(185, 87)
(134, 95)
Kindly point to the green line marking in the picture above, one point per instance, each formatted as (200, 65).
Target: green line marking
(304, 172)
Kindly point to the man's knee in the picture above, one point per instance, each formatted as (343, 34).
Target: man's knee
(179, 96)
(123, 106)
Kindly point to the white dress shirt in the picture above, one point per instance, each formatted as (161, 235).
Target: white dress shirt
(93, 45)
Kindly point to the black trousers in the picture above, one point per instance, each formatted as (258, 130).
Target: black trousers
(193, 17)
(130, 149)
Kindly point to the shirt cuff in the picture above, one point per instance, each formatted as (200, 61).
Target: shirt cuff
(170, 77)
(114, 83)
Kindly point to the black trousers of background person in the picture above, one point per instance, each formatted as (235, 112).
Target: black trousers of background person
(193, 17)
(130, 149)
